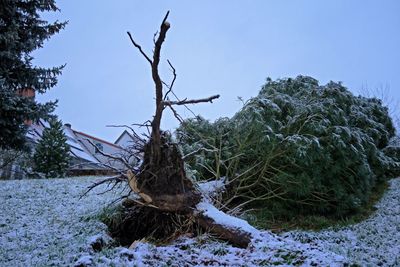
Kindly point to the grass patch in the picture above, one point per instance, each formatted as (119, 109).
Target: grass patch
(265, 219)
(111, 215)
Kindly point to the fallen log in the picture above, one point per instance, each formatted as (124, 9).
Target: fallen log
(236, 231)
(228, 228)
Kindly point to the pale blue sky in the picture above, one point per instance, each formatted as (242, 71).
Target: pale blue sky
(227, 47)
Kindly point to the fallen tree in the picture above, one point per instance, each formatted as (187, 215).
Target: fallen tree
(163, 194)
(298, 148)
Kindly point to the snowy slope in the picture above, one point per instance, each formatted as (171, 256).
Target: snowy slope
(44, 223)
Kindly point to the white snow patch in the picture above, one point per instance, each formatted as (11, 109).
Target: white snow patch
(86, 260)
(224, 219)
(212, 188)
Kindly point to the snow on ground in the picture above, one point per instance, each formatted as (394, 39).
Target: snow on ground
(44, 223)
(373, 242)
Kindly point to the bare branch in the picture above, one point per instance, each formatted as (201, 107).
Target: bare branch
(122, 126)
(165, 18)
(154, 37)
(191, 101)
(120, 159)
(198, 151)
(113, 179)
(141, 124)
(8, 160)
(135, 135)
(173, 80)
(176, 114)
(140, 48)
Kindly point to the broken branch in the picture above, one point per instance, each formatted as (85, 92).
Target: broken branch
(191, 101)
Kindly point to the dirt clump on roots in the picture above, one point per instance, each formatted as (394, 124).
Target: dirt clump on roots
(164, 179)
(130, 222)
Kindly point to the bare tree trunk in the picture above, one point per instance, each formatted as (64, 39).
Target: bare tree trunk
(156, 123)
(162, 176)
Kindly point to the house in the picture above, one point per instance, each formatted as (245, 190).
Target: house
(126, 139)
(90, 155)
(98, 149)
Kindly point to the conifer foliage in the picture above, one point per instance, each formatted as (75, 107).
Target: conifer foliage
(21, 32)
(51, 156)
(298, 147)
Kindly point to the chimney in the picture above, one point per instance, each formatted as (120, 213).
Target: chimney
(27, 92)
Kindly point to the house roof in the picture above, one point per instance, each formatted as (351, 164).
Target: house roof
(76, 148)
(123, 133)
(97, 139)
(35, 133)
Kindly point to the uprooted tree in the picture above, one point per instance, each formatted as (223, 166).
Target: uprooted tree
(165, 192)
(162, 177)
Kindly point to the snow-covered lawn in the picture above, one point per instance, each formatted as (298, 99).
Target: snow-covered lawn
(373, 242)
(44, 223)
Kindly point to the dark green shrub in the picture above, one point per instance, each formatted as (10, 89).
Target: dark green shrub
(297, 147)
(51, 155)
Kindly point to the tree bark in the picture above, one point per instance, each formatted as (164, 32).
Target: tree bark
(156, 123)
(235, 236)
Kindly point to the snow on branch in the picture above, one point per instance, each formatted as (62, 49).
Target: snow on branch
(191, 101)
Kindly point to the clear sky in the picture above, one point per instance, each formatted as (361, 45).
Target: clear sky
(225, 47)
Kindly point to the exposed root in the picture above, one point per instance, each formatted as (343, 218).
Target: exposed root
(134, 222)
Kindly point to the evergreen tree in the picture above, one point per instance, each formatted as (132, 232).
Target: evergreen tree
(51, 156)
(21, 32)
(298, 147)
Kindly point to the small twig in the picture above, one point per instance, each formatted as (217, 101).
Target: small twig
(176, 114)
(11, 159)
(173, 80)
(197, 151)
(154, 37)
(113, 179)
(147, 125)
(144, 124)
(122, 126)
(135, 135)
(177, 98)
(120, 159)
